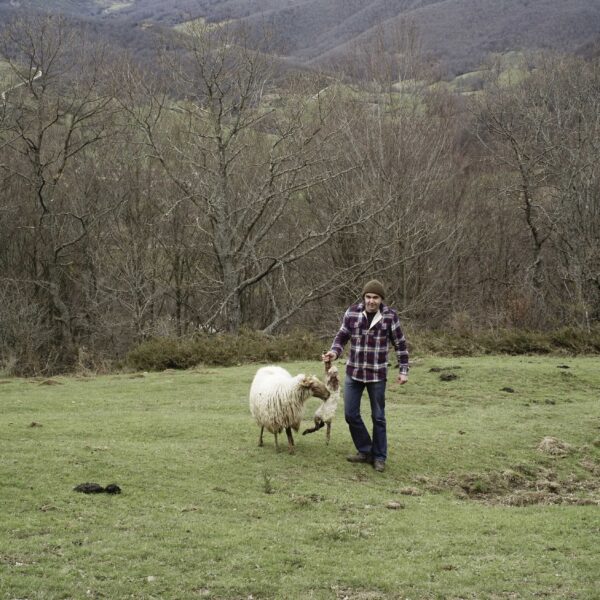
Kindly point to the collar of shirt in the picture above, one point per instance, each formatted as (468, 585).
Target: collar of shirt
(375, 320)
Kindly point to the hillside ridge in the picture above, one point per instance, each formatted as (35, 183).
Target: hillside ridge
(459, 34)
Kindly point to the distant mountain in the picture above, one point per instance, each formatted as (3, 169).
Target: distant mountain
(457, 33)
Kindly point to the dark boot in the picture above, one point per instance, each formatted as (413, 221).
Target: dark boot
(379, 466)
(359, 457)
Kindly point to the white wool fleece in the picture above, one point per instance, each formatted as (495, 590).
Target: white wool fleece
(277, 399)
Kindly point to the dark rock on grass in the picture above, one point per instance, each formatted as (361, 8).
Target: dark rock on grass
(96, 488)
(89, 488)
(563, 367)
(440, 369)
(448, 376)
(509, 390)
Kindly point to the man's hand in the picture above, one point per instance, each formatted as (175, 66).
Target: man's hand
(328, 356)
(402, 379)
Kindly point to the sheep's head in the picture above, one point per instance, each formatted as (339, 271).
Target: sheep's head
(317, 388)
(332, 379)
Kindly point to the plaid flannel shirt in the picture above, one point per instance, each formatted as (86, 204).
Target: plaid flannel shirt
(369, 345)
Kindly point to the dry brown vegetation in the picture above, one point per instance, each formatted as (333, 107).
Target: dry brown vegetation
(216, 193)
(522, 485)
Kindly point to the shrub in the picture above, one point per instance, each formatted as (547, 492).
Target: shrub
(576, 341)
(158, 354)
(517, 342)
(504, 341)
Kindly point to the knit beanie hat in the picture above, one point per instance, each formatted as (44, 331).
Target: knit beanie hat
(374, 287)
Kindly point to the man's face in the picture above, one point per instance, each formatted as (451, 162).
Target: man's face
(372, 303)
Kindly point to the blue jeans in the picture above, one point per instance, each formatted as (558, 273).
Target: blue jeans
(353, 391)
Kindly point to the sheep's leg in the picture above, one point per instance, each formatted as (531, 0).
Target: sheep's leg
(276, 444)
(260, 437)
(291, 449)
(328, 435)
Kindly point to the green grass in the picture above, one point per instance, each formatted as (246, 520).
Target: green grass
(110, 6)
(205, 513)
(200, 24)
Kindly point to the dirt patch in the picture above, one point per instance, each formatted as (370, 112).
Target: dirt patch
(360, 477)
(410, 491)
(50, 382)
(448, 376)
(14, 561)
(524, 498)
(521, 485)
(591, 465)
(307, 499)
(203, 371)
(554, 447)
(352, 594)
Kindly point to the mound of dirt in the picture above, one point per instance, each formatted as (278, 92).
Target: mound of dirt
(521, 485)
(524, 498)
(448, 376)
(554, 447)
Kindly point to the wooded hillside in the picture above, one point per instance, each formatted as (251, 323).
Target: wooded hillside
(457, 34)
(208, 190)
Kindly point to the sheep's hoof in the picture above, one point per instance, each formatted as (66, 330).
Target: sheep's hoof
(291, 450)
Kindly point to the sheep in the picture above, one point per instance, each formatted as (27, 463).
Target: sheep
(325, 413)
(277, 401)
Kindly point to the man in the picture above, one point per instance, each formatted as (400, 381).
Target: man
(370, 326)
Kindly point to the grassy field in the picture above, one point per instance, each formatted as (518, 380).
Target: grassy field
(110, 6)
(470, 506)
(187, 26)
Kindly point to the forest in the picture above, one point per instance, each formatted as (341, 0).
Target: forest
(210, 189)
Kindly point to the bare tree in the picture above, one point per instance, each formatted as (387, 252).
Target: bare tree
(541, 132)
(570, 88)
(52, 119)
(405, 138)
(509, 121)
(256, 164)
